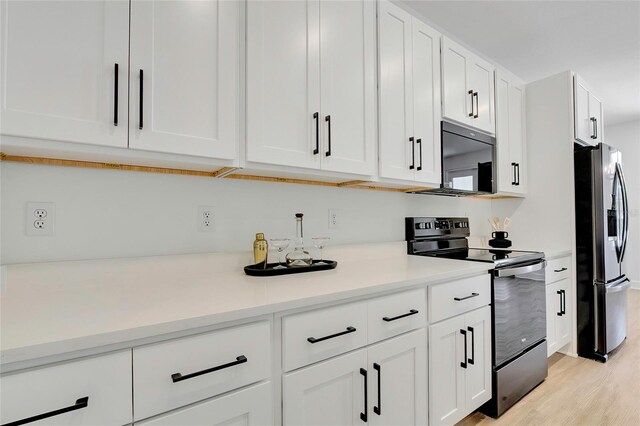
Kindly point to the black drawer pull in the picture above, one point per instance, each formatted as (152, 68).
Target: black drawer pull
(363, 416)
(411, 312)
(475, 95)
(413, 153)
(559, 292)
(458, 299)
(342, 333)
(115, 95)
(564, 302)
(317, 149)
(328, 120)
(560, 270)
(177, 377)
(514, 181)
(419, 142)
(471, 93)
(80, 403)
(378, 408)
(463, 364)
(473, 346)
(141, 105)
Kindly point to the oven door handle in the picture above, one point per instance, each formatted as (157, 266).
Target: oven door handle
(510, 272)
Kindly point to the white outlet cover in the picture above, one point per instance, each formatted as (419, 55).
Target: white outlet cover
(206, 219)
(40, 218)
(334, 218)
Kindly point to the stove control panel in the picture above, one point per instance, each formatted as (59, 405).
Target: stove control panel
(433, 227)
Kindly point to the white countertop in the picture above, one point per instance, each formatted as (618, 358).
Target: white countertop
(50, 309)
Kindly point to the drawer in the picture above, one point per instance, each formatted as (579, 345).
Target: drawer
(457, 297)
(171, 374)
(313, 336)
(95, 391)
(558, 269)
(398, 313)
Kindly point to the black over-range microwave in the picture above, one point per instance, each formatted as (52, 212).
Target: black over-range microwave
(468, 162)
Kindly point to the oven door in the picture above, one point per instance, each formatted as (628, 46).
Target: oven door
(519, 309)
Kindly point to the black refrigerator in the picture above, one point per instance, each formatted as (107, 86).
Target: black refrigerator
(602, 227)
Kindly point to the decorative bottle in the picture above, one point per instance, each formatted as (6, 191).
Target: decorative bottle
(260, 251)
(299, 256)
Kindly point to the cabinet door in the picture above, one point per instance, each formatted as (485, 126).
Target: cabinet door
(397, 157)
(584, 129)
(563, 322)
(248, 407)
(328, 393)
(553, 315)
(59, 78)
(348, 90)
(596, 117)
(478, 371)
(447, 394)
(426, 102)
(456, 101)
(510, 134)
(398, 381)
(184, 77)
(283, 83)
(481, 81)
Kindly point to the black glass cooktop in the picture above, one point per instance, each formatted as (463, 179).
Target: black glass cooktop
(499, 257)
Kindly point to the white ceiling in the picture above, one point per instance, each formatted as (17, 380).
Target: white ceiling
(534, 39)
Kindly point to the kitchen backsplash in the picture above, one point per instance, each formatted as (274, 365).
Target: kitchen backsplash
(109, 213)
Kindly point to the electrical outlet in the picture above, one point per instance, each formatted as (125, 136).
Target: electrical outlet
(333, 218)
(206, 219)
(40, 218)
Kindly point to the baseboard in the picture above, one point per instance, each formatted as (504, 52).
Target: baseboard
(635, 285)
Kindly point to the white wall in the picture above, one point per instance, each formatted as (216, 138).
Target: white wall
(110, 213)
(626, 137)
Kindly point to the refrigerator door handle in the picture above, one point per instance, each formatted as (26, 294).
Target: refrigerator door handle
(625, 210)
(625, 284)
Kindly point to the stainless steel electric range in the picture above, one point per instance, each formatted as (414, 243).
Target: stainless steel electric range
(518, 307)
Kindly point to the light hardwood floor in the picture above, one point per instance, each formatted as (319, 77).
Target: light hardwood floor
(579, 391)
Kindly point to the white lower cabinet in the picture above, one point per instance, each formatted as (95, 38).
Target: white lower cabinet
(459, 366)
(384, 384)
(248, 407)
(558, 317)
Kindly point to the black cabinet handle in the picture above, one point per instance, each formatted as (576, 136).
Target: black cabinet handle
(564, 302)
(593, 128)
(471, 93)
(316, 117)
(513, 181)
(80, 403)
(458, 299)
(177, 377)
(363, 416)
(560, 270)
(328, 120)
(378, 408)
(517, 174)
(559, 292)
(413, 153)
(115, 95)
(473, 346)
(141, 100)
(419, 142)
(475, 95)
(463, 364)
(411, 312)
(342, 333)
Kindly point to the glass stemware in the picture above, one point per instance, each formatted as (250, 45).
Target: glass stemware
(280, 244)
(320, 243)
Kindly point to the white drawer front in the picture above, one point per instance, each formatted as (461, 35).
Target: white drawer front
(558, 269)
(227, 359)
(457, 297)
(104, 380)
(398, 313)
(346, 323)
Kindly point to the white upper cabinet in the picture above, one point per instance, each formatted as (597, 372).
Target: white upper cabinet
(588, 113)
(64, 70)
(184, 77)
(510, 133)
(311, 92)
(409, 90)
(467, 87)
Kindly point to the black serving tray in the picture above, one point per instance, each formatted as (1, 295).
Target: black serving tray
(269, 271)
